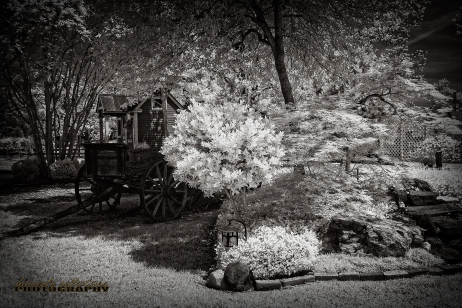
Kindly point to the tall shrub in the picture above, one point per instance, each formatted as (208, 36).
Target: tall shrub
(223, 146)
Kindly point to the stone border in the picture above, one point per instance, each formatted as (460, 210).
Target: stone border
(264, 285)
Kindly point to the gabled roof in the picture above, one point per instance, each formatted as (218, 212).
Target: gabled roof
(171, 100)
(109, 104)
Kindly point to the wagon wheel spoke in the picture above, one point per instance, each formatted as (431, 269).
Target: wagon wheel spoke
(170, 177)
(163, 207)
(152, 198)
(156, 207)
(183, 202)
(159, 175)
(165, 177)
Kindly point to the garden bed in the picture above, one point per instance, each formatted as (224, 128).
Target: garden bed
(299, 202)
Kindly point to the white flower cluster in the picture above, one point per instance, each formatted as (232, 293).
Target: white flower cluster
(273, 251)
(223, 146)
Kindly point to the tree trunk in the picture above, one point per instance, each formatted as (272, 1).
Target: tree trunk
(33, 123)
(286, 87)
(276, 43)
(278, 53)
(48, 124)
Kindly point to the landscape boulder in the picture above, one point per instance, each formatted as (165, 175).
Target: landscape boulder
(420, 198)
(216, 280)
(238, 277)
(358, 233)
(415, 184)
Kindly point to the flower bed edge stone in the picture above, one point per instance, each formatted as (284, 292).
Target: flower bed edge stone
(276, 284)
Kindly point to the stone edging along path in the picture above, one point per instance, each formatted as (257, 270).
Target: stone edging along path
(263, 285)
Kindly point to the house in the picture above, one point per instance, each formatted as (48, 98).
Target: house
(136, 121)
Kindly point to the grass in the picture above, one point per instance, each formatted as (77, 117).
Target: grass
(150, 264)
(415, 258)
(135, 284)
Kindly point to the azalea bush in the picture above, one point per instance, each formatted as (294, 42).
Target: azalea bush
(223, 147)
(64, 169)
(275, 252)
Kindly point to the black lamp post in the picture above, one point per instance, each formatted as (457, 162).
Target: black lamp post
(230, 234)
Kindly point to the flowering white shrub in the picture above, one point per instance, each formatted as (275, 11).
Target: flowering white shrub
(273, 251)
(223, 146)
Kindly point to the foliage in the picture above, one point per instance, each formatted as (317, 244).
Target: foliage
(27, 169)
(11, 145)
(275, 252)
(223, 146)
(443, 142)
(447, 182)
(305, 40)
(65, 169)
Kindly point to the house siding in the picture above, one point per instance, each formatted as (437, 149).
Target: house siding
(151, 124)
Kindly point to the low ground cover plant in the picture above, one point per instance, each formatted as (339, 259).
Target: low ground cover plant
(275, 252)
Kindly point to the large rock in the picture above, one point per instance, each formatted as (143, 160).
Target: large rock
(420, 198)
(415, 184)
(357, 233)
(216, 280)
(238, 277)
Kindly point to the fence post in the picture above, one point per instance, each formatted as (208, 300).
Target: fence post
(400, 141)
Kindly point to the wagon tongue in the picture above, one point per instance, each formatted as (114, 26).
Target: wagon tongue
(105, 194)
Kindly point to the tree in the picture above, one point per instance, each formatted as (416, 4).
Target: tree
(311, 32)
(56, 58)
(28, 37)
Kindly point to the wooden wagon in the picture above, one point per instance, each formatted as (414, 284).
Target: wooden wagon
(112, 169)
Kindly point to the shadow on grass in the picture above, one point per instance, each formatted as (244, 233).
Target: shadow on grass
(185, 244)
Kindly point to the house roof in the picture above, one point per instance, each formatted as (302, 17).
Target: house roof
(109, 104)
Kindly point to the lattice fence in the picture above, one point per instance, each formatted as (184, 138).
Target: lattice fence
(407, 139)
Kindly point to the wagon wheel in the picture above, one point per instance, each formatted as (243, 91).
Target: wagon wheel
(86, 187)
(161, 196)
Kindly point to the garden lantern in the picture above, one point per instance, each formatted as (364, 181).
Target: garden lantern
(230, 234)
